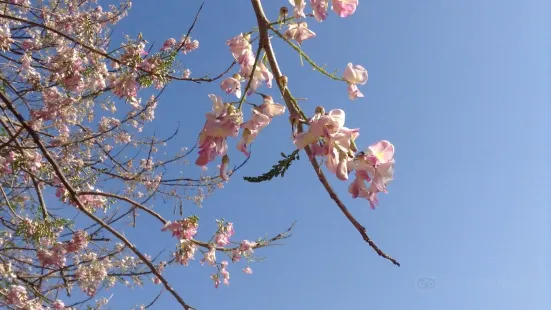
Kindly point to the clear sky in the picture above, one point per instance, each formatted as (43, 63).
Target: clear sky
(462, 90)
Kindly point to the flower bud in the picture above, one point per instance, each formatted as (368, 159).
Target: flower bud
(246, 133)
(283, 11)
(224, 167)
(320, 110)
(283, 81)
(226, 159)
(353, 146)
(230, 108)
(237, 76)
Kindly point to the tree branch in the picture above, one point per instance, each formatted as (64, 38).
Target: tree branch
(264, 26)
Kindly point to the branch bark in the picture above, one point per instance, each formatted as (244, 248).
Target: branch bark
(264, 26)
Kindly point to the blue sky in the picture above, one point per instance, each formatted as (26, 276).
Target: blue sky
(462, 90)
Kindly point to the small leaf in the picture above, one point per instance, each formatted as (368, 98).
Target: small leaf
(279, 169)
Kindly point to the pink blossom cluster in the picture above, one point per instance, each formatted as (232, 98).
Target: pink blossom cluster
(57, 254)
(245, 249)
(224, 233)
(261, 117)
(343, 8)
(222, 273)
(88, 200)
(225, 120)
(17, 297)
(299, 32)
(6, 162)
(222, 122)
(242, 52)
(92, 273)
(184, 230)
(330, 139)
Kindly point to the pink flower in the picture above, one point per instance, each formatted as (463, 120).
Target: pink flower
(319, 126)
(261, 74)
(224, 167)
(380, 153)
(169, 43)
(355, 74)
(320, 9)
(224, 234)
(186, 252)
(338, 146)
(216, 280)
(271, 109)
(239, 45)
(58, 305)
(353, 92)
(16, 296)
(210, 257)
(182, 229)
(298, 8)
(299, 32)
(224, 273)
(246, 139)
(376, 166)
(248, 270)
(188, 45)
(262, 116)
(222, 122)
(78, 242)
(232, 85)
(344, 8)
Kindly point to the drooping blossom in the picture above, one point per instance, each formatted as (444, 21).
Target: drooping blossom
(210, 257)
(375, 166)
(58, 305)
(232, 85)
(261, 117)
(17, 296)
(222, 122)
(355, 74)
(260, 74)
(319, 8)
(321, 125)
(299, 32)
(188, 45)
(327, 136)
(186, 252)
(298, 8)
(78, 242)
(354, 92)
(344, 8)
(5, 37)
(169, 43)
(241, 50)
(239, 45)
(92, 274)
(224, 233)
(225, 273)
(184, 229)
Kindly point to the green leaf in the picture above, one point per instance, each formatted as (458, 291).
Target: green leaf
(277, 170)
